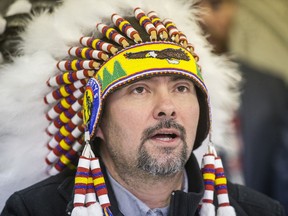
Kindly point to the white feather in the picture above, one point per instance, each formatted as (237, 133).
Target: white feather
(1, 58)
(3, 23)
(19, 6)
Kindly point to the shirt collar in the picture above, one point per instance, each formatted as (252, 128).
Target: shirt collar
(130, 205)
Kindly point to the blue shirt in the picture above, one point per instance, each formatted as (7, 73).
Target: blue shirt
(130, 205)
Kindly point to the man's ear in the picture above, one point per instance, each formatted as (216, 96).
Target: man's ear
(99, 133)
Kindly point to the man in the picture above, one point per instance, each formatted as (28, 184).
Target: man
(145, 108)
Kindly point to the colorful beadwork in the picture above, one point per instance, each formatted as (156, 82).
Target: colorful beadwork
(99, 183)
(98, 44)
(126, 28)
(76, 64)
(214, 180)
(161, 30)
(66, 159)
(221, 184)
(172, 30)
(69, 137)
(89, 179)
(64, 91)
(62, 132)
(63, 104)
(112, 34)
(81, 181)
(183, 39)
(87, 53)
(146, 23)
(69, 77)
(208, 171)
(65, 117)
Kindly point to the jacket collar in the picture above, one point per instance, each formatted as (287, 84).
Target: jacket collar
(187, 203)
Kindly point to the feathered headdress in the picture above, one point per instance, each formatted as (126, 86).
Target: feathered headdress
(93, 56)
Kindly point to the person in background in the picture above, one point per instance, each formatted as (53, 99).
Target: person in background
(261, 118)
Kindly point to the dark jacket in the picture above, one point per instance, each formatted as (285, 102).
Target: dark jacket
(53, 197)
(263, 125)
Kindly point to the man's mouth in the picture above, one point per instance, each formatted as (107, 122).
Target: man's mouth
(165, 135)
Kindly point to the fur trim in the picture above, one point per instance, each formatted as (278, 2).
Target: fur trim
(95, 210)
(46, 41)
(207, 209)
(226, 211)
(80, 211)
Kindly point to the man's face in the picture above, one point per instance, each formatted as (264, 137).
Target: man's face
(149, 126)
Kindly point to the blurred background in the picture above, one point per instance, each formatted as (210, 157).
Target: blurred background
(260, 34)
(254, 34)
(256, 31)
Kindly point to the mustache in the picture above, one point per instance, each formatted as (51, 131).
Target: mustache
(166, 123)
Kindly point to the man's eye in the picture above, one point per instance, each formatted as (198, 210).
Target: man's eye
(182, 89)
(139, 90)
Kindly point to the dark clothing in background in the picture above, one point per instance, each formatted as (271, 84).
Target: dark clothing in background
(262, 115)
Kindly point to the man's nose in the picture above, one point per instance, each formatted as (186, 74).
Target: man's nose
(164, 107)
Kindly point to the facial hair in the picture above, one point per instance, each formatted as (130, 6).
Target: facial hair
(144, 165)
(171, 162)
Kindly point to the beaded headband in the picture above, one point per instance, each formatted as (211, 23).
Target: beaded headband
(95, 69)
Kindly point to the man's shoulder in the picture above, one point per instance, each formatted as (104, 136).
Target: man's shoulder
(253, 202)
(64, 179)
(52, 193)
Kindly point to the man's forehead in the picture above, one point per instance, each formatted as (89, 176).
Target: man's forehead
(171, 77)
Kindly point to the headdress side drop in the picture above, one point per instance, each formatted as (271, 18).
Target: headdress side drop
(96, 68)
